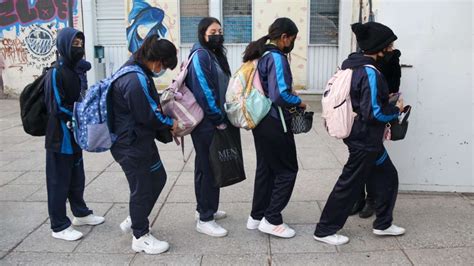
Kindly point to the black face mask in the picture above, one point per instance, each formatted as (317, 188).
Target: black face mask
(215, 41)
(77, 53)
(390, 60)
(288, 49)
(387, 57)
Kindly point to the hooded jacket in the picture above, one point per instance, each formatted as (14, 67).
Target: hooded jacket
(62, 89)
(369, 96)
(275, 75)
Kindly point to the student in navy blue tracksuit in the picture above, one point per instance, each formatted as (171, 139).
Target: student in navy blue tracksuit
(389, 66)
(64, 165)
(136, 120)
(208, 77)
(368, 159)
(277, 164)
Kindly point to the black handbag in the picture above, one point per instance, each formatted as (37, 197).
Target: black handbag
(399, 129)
(301, 121)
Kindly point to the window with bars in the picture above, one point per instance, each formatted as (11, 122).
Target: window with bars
(237, 22)
(192, 11)
(324, 22)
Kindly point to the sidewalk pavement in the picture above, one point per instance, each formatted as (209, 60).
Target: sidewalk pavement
(440, 227)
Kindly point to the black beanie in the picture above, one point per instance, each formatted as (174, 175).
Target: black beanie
(373, 37)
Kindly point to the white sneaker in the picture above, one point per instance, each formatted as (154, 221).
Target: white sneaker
(252, 224)
(393, 230)
(333, 239)
(69, 234)
(210, 228)
(282, 230)
(90, 219)
(126, 225)
(217, 216)
(149, 244)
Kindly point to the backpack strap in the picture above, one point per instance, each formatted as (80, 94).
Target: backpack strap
(179, 142)
(184, 69)
(125, 70)
(191, 58)
(282, 118)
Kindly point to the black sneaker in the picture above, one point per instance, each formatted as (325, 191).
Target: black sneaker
(358, 206)
(367, 211)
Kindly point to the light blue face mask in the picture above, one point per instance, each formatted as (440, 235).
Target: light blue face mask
(159, 74)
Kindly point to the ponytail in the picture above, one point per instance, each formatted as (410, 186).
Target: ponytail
(255, 49)
(280, 26)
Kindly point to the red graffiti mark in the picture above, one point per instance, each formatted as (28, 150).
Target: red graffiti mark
(19, 12)
(14, 51)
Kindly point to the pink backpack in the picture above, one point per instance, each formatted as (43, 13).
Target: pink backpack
(178, 102)
(338, 116)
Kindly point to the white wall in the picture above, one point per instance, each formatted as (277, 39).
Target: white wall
(436, 38)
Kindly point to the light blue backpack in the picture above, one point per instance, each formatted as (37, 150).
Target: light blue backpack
(90, 116)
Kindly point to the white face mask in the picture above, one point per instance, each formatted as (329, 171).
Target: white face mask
(159, 74)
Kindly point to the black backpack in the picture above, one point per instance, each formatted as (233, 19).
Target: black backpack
(34, 115)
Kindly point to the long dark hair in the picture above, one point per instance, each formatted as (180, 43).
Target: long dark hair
(220, 52)
(155, 49)
(256, 48)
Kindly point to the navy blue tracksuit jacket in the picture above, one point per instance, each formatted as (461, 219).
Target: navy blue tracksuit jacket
(369, 95)
(202, 80)
(277, 81)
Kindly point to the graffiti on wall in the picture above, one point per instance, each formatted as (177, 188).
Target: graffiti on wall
(28, 30)
(145, 20)
(34, 46)
(40, 41)
(15, 13)
(14, 51)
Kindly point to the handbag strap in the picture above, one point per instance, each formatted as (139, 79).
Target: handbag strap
(407, 113)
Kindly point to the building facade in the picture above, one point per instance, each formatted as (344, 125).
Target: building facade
(435, 38)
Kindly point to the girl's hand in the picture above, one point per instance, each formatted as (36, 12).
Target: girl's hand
(174, 127)
(221, 126)
(399, 104)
